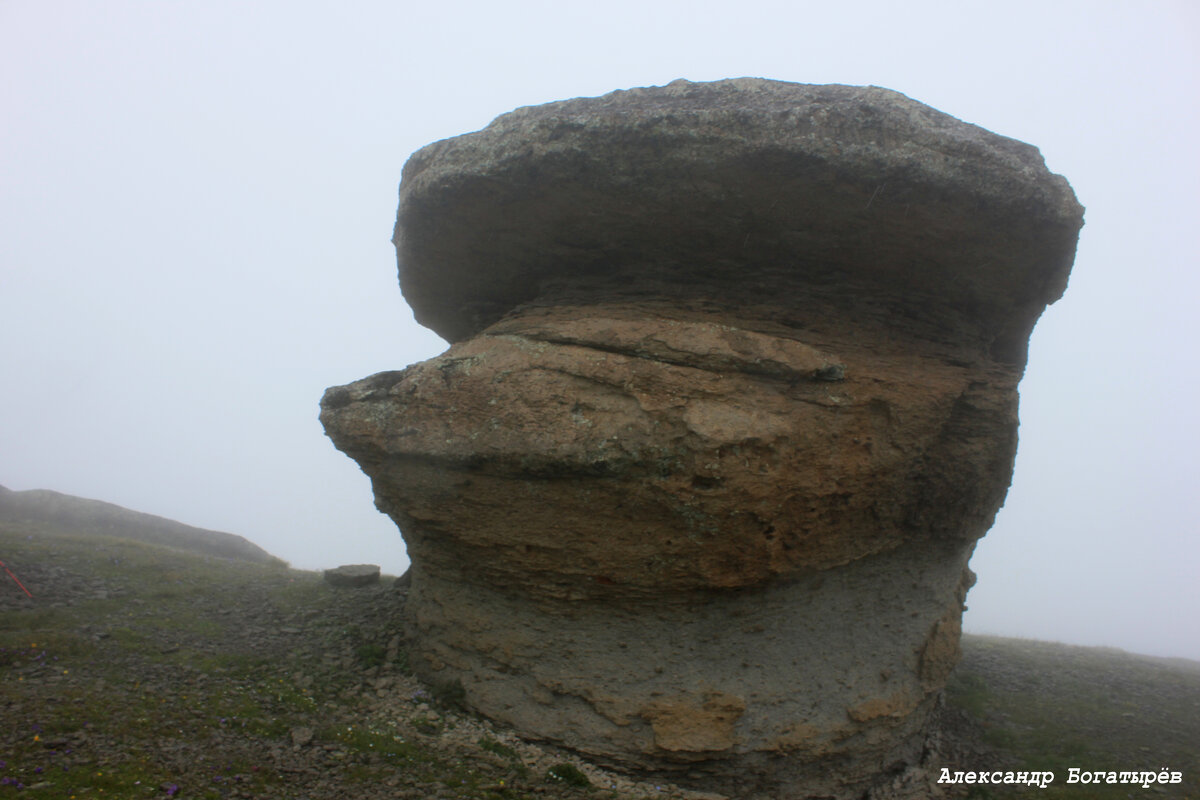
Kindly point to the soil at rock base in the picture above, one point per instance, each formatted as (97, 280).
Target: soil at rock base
(137, 671)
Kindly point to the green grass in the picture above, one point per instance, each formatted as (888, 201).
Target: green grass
(568, 774)
(969, 693)
(492, 746)
(389, 748)
(84, 682)
(371, 654)
(1059, 708)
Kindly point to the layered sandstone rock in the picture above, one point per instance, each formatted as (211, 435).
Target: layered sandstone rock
(731, 396)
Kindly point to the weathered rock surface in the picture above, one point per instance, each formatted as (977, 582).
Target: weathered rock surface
(731, 397)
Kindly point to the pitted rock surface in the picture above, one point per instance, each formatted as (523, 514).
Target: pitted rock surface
(731, 397)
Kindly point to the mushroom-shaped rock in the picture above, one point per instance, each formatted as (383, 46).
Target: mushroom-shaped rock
(731, 397)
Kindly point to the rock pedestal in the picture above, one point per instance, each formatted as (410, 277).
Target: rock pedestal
(731, 395)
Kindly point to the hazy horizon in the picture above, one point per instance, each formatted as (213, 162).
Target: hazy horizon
(198, 200)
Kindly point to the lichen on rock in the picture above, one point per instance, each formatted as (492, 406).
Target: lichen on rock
(730, 397)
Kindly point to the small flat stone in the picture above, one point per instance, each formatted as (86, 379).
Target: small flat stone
(352, 575)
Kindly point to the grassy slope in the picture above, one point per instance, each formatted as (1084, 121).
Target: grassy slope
(57, 512)
(139, 671)
(1047, 706)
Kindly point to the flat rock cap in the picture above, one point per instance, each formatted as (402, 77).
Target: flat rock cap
(747, 190)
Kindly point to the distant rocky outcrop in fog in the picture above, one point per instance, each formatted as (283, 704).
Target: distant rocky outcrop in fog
(67, 513)
(731, 396)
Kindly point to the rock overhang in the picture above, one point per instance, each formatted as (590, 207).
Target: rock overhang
(737, 190)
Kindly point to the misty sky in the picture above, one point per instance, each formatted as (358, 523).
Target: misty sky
(197, 197)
